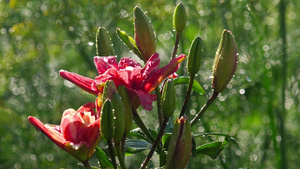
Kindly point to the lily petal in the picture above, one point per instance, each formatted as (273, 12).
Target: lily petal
(105, 63)
(53, 134)
(84, 83)
(164, 72)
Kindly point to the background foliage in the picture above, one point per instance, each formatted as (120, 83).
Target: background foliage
(260, 108)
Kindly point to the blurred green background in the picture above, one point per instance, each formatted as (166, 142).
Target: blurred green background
(260, 108)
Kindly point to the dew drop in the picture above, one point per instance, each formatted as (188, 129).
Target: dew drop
(91, 43)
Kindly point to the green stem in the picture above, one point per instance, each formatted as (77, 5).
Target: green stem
(282, 10)
(159, 112)
(157, 140)
(87, 165)
(120, 155)
(141, 124)
(178, 35)
(204, 108)
(187, 96)
(111, 152)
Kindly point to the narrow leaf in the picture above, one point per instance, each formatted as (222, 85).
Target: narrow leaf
(103, 159)
(135, 146)
(129, 42)
(212, 149)
(185, 80)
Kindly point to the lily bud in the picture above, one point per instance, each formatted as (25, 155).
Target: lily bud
(122, 91)
(168, 99)
(144, 34)
(107, 120)
(194, 57)
(225, 62)
(119, 115)
(179, 18)
(108, 90)
(103, 44)
(180, 145)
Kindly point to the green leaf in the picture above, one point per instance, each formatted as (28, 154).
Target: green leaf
(212, 149)
(185, 80)
(138, 134)
(129, 42)
(103, 159)
(135, 146)
(165, 139)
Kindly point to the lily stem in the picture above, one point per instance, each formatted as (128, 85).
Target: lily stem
(159, 112)
(187, 96)
(142, 126)
(120, 155)
(155, 144)
(204, 108)
(111, 152)
(87, 165)
(178, 35)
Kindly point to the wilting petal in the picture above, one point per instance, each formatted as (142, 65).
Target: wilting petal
(105, 63)
(80, 81)
(53, 134)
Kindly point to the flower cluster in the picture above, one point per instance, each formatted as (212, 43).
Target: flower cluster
(122, 87)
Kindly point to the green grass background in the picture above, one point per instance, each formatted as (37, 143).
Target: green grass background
(260, 108)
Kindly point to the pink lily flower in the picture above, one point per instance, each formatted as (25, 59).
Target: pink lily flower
(78, 133)
(140, 82)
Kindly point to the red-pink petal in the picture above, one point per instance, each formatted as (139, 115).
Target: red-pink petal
(72, 125)
(105, 63)
(90, 133)
(151, 64)
(88, 107)
(51, 133)
(80, 81)
(164, 72)
(126, 61)
(145, 99)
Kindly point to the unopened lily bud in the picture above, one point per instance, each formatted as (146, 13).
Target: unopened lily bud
(225, 62)
(108, 90)
(168, 99)
(103, 43)
(119, 115)
(144, 34)
(122, 91)
(179, 18)
(194, 57)
(180, 145)
(107, 120)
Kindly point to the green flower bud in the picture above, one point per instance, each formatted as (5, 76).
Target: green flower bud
(180, 145)
(108, 90)
(122, 91)
(144, 34)
(194, 57)
(107, 120)
(179, 18)
(119, 115)
(168, 99)
(103, 44)
(225, 62)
